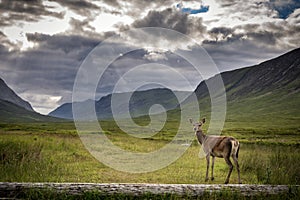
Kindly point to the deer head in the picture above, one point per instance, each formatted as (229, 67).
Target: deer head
(197, 125)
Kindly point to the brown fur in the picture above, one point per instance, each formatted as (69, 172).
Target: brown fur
(218, 146)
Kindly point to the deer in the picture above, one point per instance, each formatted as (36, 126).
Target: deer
(217, 146)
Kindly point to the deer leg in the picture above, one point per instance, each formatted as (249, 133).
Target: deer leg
(227, 159)
(207, 166)
(212, 167)
(235, 159)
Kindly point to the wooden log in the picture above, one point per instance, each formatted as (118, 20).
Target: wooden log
(9, 190)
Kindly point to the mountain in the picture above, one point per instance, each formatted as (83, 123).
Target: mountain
(9, 95)
(139, 104)
(65, 110)
(10, 112)
(280, 74)
(15, 109)
(254, 94)
(267, 94)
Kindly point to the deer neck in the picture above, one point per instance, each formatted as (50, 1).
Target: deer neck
(200, 136)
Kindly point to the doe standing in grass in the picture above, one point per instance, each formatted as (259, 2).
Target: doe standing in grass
(218, 146)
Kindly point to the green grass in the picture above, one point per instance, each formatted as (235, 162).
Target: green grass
(53, 152)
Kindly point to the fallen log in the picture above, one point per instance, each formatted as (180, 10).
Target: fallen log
(12, 190)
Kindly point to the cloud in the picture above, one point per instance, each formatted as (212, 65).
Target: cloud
(49, 68)
(260, 8)
(82, 7)
(172, 19)
(42, 102)
(250, 44)
(5, 44)
(240, 53)
(248, 10)
(66, 43)
(24, 10)
(251, 41)
(284, 7)
(155, 55)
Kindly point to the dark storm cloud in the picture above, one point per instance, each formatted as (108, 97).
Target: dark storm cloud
(65, 43)
(260, 38)
(275, 34)
(240, 53)
(247, 9)
(113, 3)
(171, 19)
(24, 10)
(234, 50)
(234, 47)
(248, 44)
(49, 68)
(81, 7)
(220, 33)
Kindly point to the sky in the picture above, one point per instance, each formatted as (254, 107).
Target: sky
(44, 43)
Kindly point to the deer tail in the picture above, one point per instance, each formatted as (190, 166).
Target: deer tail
(237, 151)
(235, 145)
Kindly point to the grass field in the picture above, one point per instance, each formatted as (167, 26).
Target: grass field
(53, 152)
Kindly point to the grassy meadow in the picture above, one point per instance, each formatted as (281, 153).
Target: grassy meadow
(53, 152)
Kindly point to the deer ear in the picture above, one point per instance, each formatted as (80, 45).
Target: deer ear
(191, 120)
(203, 120)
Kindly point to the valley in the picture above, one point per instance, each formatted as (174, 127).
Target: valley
(39, 148)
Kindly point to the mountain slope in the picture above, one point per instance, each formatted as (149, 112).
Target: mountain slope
(265, 95)
(139, 104)
(10, 112)
(281, 73)
(9, 95)
(15, 109)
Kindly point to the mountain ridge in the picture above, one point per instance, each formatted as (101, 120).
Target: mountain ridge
(139, 103)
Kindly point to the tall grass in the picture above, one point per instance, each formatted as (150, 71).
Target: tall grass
(273, 164)
(23, 161)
